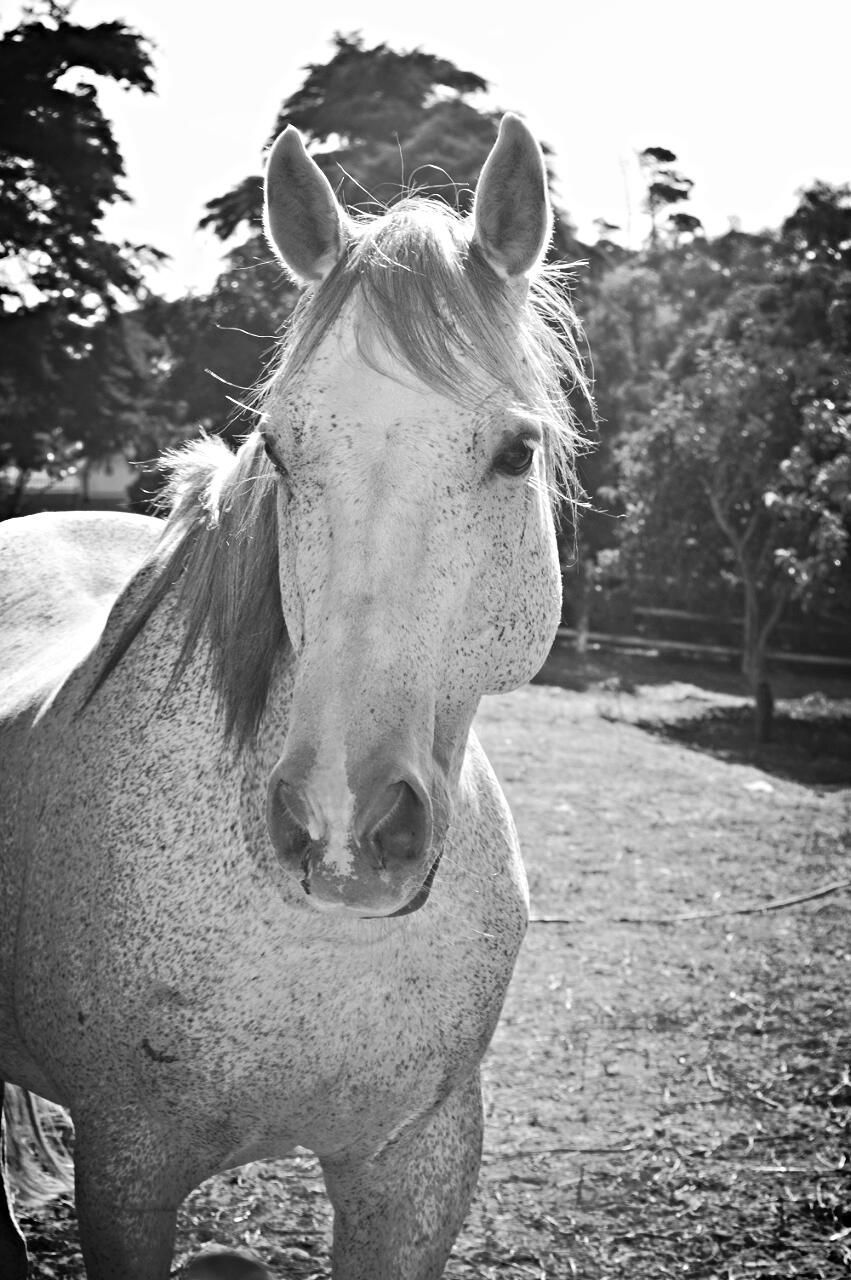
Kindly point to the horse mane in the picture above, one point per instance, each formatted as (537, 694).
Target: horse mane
(219, 554)
(431, 298)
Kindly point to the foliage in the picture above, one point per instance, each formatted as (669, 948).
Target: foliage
(820, 227)
(666, 186)
(373, 117)
(720, 480)
(380, 122)
(813, 502)
(632, 325)
(205, 355)
(60, 169)
(94, 393)
(726, 368)
(218, 344)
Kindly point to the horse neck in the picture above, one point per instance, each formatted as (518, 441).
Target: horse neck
(146, 685)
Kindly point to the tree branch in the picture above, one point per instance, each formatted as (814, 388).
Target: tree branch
(751, 529)
(777, 904)
(725, 524)
(773, 617)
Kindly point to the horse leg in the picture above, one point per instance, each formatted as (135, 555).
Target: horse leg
(128, 1192)
(13, 1251)
(396, 1216)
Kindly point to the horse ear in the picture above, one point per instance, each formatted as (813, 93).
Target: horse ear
(512, 219)
(304, 223)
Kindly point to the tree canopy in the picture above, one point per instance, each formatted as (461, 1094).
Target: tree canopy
(60, 169)
(725, 374)
(373, 117)
(380, 122)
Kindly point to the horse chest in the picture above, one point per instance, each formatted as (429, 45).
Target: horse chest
(189, 982)
(338, 1050)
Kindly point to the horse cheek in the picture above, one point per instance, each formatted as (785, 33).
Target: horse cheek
(523, 605)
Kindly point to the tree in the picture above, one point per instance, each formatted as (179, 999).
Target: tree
(733, 465)
(684, 224)
(97, 395)
(373, 118)
(812, 501)
(633, 327)
(820, 227)
(60, 169)
(380, 122)
(211, 349)
(666, 186)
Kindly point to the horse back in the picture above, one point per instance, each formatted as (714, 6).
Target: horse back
(60, 573)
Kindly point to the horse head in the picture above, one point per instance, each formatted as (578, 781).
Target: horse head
(414, 426)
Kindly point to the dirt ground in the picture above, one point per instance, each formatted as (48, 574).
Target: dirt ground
(665, 1097)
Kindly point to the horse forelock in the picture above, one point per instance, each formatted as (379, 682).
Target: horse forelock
(432, 299)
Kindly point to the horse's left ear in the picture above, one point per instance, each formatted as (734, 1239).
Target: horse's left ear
(512, 219)
(304, 222)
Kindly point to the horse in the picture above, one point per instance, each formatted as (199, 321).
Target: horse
(260, 887)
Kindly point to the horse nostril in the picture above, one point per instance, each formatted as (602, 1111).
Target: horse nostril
(398, 829)
(287, 821)
(291, 801)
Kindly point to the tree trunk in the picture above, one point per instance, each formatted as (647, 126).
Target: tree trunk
(757, 633)
(763, 712)
(583, 607)
(757, 629)
(585, 581)
(763, 702)
(753, 663)
(12, 506)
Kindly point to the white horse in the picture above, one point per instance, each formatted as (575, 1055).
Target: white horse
(260, 887)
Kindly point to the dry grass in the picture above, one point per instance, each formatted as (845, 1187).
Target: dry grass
(661, 1101)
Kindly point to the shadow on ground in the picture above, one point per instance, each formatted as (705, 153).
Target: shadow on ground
(809, 745)
(704, 707)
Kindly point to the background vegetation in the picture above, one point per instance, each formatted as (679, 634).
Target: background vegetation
(668, 1091)
(721, 476)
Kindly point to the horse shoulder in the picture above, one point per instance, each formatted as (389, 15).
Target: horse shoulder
(60, 574)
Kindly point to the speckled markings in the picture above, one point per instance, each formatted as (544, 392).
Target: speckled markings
(264, 887)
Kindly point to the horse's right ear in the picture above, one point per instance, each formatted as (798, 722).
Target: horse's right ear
(511, 214)
(304, 223)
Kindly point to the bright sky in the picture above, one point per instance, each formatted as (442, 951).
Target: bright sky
(750, 94)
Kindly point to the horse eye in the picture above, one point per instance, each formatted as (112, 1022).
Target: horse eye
(274, 459)
(516, 458)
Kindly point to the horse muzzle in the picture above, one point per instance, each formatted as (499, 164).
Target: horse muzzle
(371, 852)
